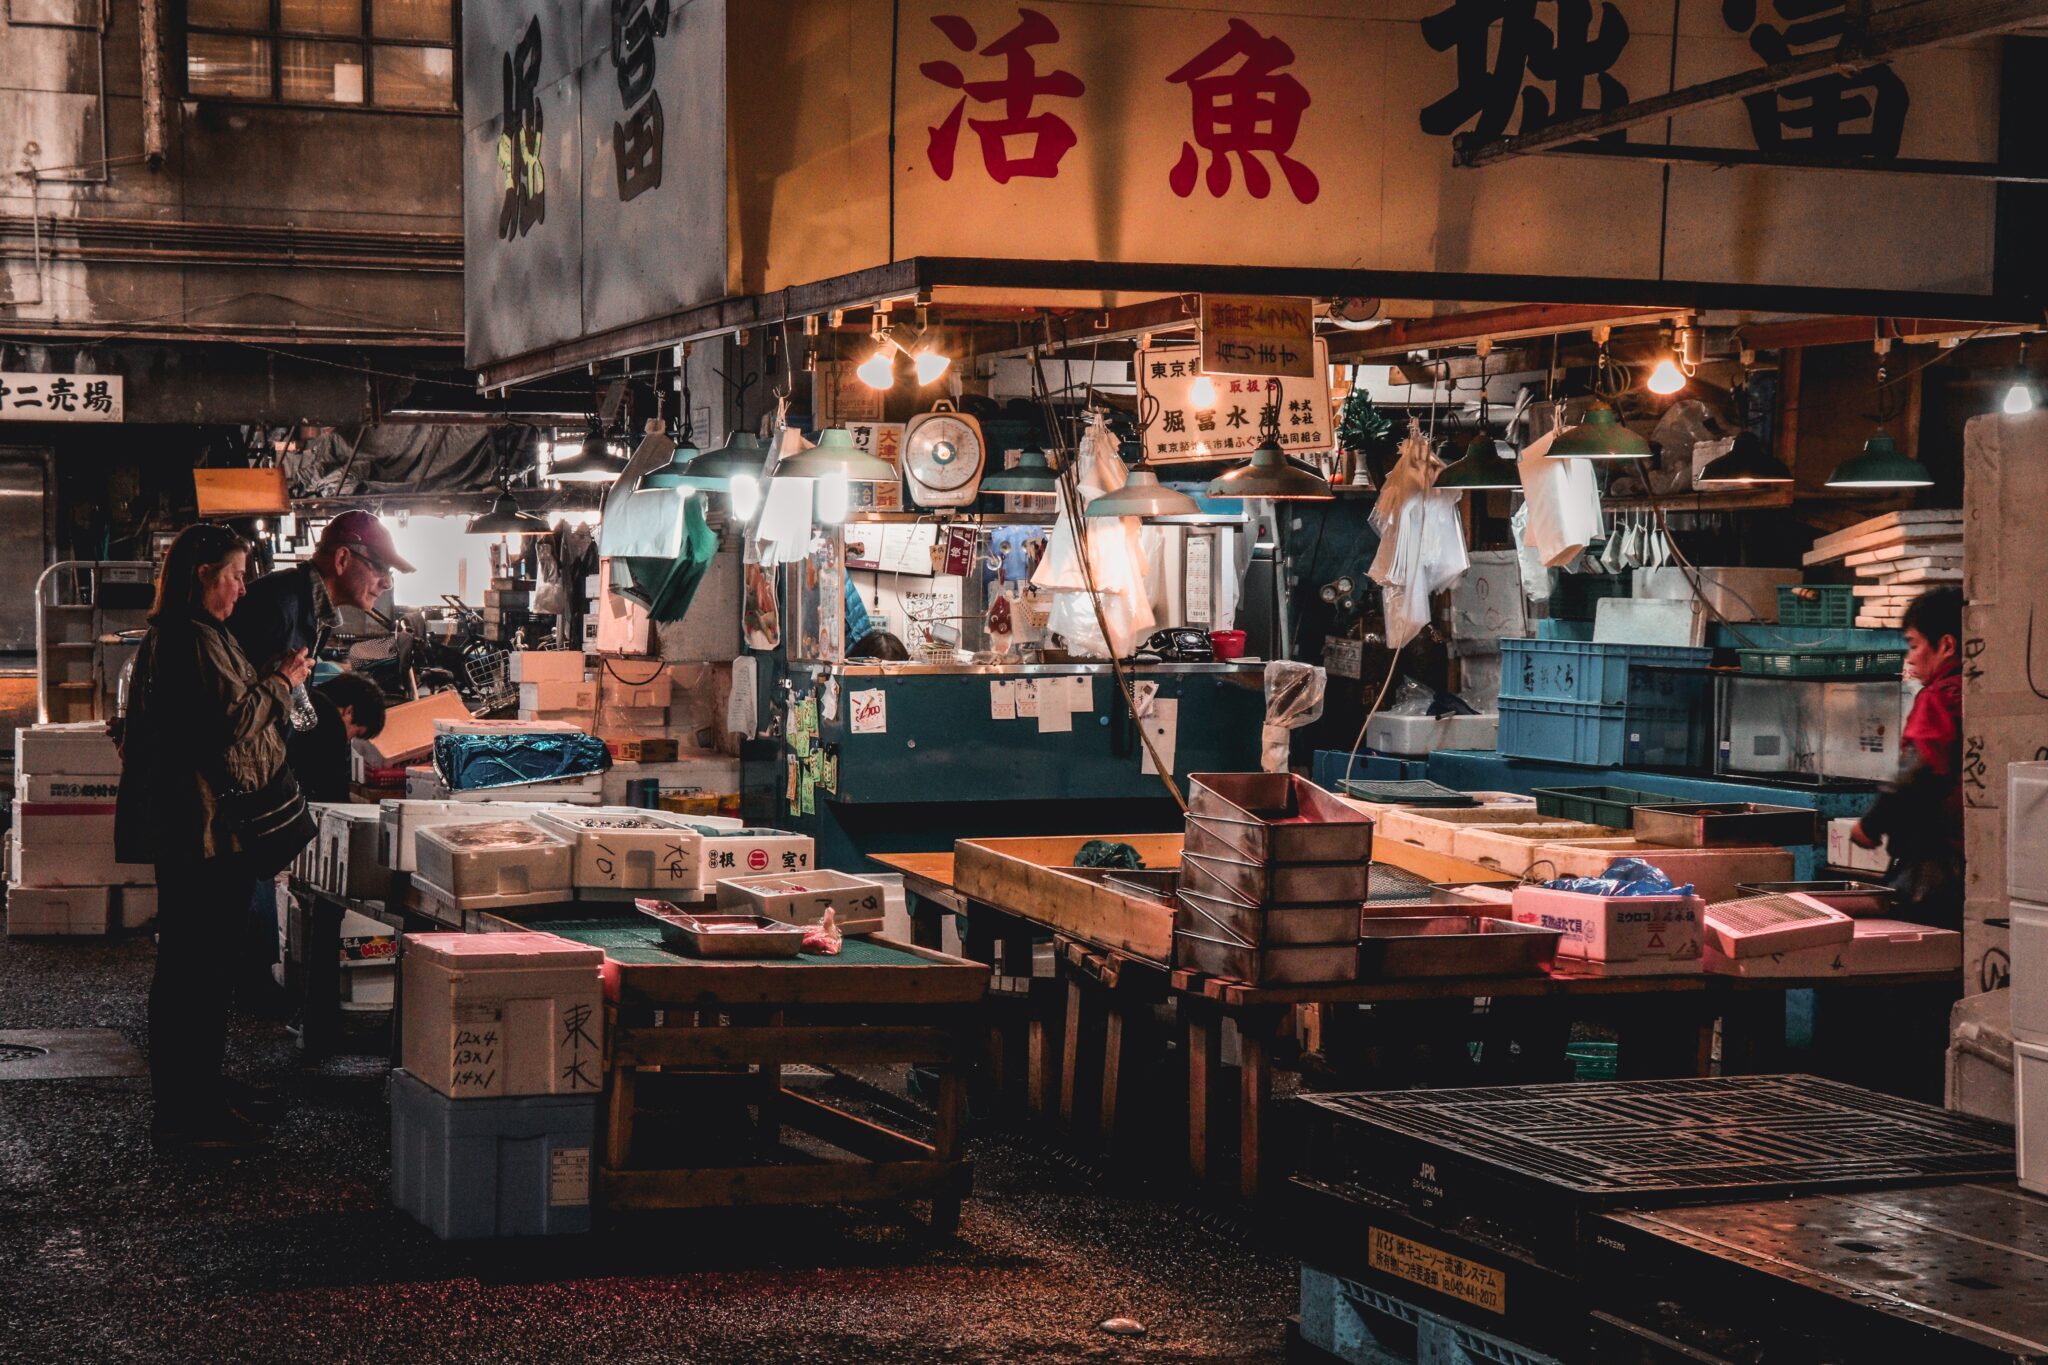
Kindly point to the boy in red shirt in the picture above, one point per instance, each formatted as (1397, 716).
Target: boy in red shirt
(1921, 817)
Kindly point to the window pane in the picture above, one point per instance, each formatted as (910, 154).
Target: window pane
(427, 21)
(415, 77)
(252, 14)
(236, 68)
(321, 16)
(323, 73)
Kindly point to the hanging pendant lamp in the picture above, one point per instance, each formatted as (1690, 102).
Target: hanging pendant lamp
(1881, 465)
(1270, 474)
(505, 519)
(1599, 435)
(1032, 475)
(1746, 465)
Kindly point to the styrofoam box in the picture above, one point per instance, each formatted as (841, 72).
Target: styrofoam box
(857, 904)
(1416, 735)
(715, 774)
(40, 862)
(372, 986)
(492, 1168)
(2026, 833)
(69, 910)
(491, 1015)
(76, 749)
(1733, 594)
(720, 853)
(558, 696)
(350, 863)
(424, 784)
(1635, 929)
(1743, 928)
(2028, 946)
(2030, 1113)
(625, 849)
(504, 862)
(1843, 851)
(546, 665)
(1877, 946)
(99, 788)
(399, 824)
(409, 729)
(1980, 1042)
(135, 906)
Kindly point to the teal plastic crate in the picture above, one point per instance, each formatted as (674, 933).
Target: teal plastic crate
(1577, 596)
(1822, 663)
(1361, 1325)
(1606, 736)
(1827, 605)
(1605, 675)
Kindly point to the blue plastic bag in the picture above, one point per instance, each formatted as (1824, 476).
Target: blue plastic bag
(1623, 877)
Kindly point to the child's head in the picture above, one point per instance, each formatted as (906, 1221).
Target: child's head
(1934, 633)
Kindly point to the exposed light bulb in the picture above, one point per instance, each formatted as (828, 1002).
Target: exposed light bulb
(746, 496)
(930, 365)
(878, 371)
(1667, 377)
(2019, 398)
(1203, 392)
(835, 498)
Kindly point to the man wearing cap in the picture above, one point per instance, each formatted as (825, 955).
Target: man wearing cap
(287, 610)
(282, 613)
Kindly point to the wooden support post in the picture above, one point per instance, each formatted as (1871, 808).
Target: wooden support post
(1255, 1030)
(1204, 1044)
(1042, 1057)
(1120, 1032)
(619, 1104)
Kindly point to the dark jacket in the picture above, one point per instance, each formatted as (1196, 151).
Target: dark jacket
(276, 616)
(200, 720)
(321, 757)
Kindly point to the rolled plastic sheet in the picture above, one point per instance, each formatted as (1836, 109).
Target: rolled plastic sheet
(477, 762)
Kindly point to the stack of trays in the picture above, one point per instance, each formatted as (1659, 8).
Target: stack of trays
(1273, 880)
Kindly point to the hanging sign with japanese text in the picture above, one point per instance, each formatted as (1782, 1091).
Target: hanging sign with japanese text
(1245, 334)
(1224, 417)
(59, 397)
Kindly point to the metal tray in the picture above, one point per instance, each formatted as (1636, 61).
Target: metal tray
(1277, 818)
(1869, 899)
(1448, 893)
(1703, 824)
(1146, 883)
(723, 935)
(1454, 945)
(1320, 964)
(1258, 926)
(1218, 865)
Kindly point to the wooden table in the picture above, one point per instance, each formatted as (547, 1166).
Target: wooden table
(689, 1025)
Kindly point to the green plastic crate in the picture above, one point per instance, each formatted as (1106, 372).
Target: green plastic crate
(1830, 606)
(1612, 807)
(1822, 663)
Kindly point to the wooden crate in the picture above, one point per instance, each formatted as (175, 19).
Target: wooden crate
(1036, 878)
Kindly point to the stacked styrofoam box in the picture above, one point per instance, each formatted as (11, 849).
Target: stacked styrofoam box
(622, 853)
(488, 866)
(494, 1112)
(2026, 885)
(399, 824)
(61, 853)
(347, 860)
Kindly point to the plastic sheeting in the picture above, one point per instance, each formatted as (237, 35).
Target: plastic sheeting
(1563, 500)
(1294, 698)
(406, 458)
(475, 762)
(1422, 540)
(1116, 559)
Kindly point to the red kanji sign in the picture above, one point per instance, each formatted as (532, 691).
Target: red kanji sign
(1048, 136)
(1252, 110)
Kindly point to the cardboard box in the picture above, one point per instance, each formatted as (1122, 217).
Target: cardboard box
(856, 903)
(654, 691)
(409, 729)
(614, 719)
(539, 698)
(504, 862)
(1877, 946)
(82, 911)
(661, 750)
(1844, 853)
(467, 725)
(546, 666)
(492, 1015)
(74, 749)
(399, 824)
(135, 906)
(625, 850)
(1660, 930)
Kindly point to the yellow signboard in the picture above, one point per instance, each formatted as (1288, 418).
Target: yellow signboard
(1247, 334)
(1476, 1284)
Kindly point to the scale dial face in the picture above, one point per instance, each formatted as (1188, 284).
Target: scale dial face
(943, 458)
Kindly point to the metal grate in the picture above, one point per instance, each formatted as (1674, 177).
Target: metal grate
(1389, 883)
(1645, 1142)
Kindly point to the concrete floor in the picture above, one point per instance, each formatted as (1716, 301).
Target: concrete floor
(110, 1253)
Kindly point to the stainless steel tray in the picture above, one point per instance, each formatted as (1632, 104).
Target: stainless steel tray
(1703, 824)
(1148, 883)
(1454, 945)
(1274, 966)
(1448, 893)
(1278, 818)
(1292, 883)
(715, 935)
(1866, 899)
(1257, 926)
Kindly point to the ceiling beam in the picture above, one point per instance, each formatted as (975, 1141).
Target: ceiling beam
(1515, 323)
(1845, 331)
(1722, 157)
(1871, 37)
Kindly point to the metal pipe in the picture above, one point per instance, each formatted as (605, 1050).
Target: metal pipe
(150, 18)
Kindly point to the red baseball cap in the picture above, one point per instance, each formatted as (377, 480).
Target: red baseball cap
(362, 531)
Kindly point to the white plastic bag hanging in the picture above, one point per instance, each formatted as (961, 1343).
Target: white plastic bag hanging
(1116, 560)
(1422, 540)
(1294, 698)
(1563, 500)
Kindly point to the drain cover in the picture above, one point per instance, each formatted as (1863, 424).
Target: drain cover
(66, 1054)
(20, 1052)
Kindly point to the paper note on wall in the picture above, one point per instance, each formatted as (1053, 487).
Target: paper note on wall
(869, 711)
(1162, 729)
(1053, 716)
(1026, 693)
(1002, 701)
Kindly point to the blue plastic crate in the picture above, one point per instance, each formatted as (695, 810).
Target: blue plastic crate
(492, 1168)
(1605, 675)
(1606, 736)
(1362, 1326)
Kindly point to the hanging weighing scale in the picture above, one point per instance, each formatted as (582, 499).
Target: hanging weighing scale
(943, 457)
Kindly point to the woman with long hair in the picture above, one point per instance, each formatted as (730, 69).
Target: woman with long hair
(201, 724)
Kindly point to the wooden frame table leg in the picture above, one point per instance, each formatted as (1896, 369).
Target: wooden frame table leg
(1256, 1032)
(1204, 1042)
(1043, 1054)
(1118, 1037)
(620, 1098)
(948, 1125)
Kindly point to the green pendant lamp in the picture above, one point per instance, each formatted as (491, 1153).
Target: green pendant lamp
(1746, 465)
(599, 461)
(1032, 475)
(835, 455)
(1270, 474)
(674, 474)
(1880, 466)
(742, 456)
(1481, 469)
(505, 519)
(1143, 496)
(1599, 435)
